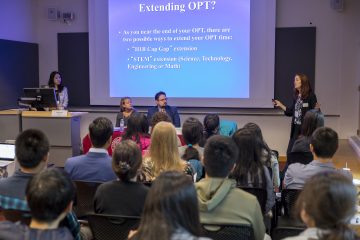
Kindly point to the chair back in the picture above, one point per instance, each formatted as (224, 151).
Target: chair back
(228, 231)
(112, 227)
(13, 215)
(284, 232)
(85, 192)
(288, 200)
(259, 193)
(299, 157)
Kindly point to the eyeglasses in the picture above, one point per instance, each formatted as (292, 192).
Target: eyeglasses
(164, 99)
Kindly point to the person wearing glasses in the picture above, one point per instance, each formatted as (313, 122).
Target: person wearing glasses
(161, 106)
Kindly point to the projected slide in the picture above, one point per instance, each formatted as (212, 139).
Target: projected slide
(190, 49)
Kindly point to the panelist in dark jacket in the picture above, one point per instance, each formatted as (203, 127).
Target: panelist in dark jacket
(161, 106)
(304, 100)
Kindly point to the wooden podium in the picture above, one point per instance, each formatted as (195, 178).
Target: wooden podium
(63, 132)
(10, 124)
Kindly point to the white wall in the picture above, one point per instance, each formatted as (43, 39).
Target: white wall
(46, 30)
(16, 20)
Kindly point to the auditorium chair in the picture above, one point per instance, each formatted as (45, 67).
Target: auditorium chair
(259, 193)
(284, 232)
(85, 192)
(299, 157)
(112, 227)
(288, 224)
(13, 215)
(228, 231)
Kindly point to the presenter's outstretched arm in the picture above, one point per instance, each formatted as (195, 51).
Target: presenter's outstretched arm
(279, 104)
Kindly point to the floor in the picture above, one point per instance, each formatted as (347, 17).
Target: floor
(347, 157)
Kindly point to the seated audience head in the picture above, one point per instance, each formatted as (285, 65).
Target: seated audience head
(32, 149)
(100, 131)
(266, 153)
(126, 160)
(249, 157)
(211, 124)
(313, 119)
(164, 151)
(137, 125)
(161, 99)
(324, 142)
(170, 205)
(159, 117)
(220, 155)
(125, 104)
(192, 132)
(328, 202)
(49, 195)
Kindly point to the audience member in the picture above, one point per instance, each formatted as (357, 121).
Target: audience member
(32, 153)
(192, 132)
(171, 210)
(164, 153)
(124, 196)
(49, 195)
(313, 119)
(126, 109)
(138, 131)
(95, 166)
(268, 157)
(211, 127)
(323, 145)
(162, 117)
(159, 117)
(220, 201)
(61, 91)
(326, 205)
(249, 170)
(161, 106)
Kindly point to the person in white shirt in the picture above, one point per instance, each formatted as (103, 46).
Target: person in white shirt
(326, 205)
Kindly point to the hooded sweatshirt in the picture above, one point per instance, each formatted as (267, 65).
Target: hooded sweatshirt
(220, 202)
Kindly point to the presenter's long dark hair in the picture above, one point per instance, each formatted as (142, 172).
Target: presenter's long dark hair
(305, 86)
(51, 82)
(171, 204)
(329, 199)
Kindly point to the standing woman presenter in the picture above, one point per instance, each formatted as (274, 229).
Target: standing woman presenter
(304, 100)
(60, 90)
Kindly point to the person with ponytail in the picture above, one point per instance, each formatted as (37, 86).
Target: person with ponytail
(326, 205)
(192, 132)
(123, 196)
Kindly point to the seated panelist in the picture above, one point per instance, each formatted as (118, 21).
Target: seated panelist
(161, 106)
(126, 109)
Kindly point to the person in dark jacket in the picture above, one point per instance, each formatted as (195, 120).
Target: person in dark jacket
(304, 100)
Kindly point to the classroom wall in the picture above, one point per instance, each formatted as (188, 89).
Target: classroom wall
(17, 20)
(337, 73)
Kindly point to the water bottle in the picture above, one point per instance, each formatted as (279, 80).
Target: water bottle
(122, 125)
